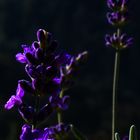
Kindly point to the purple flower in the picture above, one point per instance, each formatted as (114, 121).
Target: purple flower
(26, 133)
(117, 5)
(116, 18)
(117, 15)
(50, 73)
(39, 52)
(44, 87)
(42, 38)
(73, 63)
(41, 35)
(67, 71)
(118, 41)
(27, 55)
(29, 134)
(59, 103)
(15, 99)
(50, 133)
(21, 58)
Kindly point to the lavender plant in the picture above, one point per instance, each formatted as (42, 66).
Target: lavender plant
(117, 18)
(51, 73)
(50, 76)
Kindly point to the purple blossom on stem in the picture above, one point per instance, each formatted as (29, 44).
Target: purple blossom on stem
(118, 41)
(119, 5)
(50, 133)
(69, 69)
(50, 73)
(116, 18)
(15, 99)
(59, 103)
(117, 15)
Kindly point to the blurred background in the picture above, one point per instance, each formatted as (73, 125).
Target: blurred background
(78, 25)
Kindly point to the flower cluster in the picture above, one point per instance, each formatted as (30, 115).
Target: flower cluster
(59, 131)
(117, 17)
(50, 74)
(118, 41)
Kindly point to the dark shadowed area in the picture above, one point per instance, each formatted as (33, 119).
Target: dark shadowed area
(78, 25)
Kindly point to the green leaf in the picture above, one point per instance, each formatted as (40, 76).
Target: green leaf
(77, 134)
(132, 133)
(117, 137)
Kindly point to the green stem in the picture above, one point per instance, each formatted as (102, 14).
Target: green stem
(37, 103)
(114, 94)
(59, 117)
(59, 113)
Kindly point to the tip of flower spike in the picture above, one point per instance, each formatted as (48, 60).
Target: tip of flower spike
(117, 5)
(41, 34)
(42, 37)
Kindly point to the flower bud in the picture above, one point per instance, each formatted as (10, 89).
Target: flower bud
(42, 38)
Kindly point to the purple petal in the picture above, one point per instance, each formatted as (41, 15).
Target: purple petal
(14, 100)
(19, 91)
(41, 35)
(26, 133)
(35, 45)
(57, 80)
(39, 54)
(64, 102)
(25, 48)
(21, 58)
(110, 4)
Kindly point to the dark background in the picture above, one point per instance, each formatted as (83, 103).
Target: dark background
(78, 25)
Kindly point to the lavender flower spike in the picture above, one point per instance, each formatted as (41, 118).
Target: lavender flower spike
(50, 74)
(117, 15)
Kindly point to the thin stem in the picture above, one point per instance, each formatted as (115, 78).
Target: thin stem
(59, 117)
(59, 113)
(37, 103)
(114, 94)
